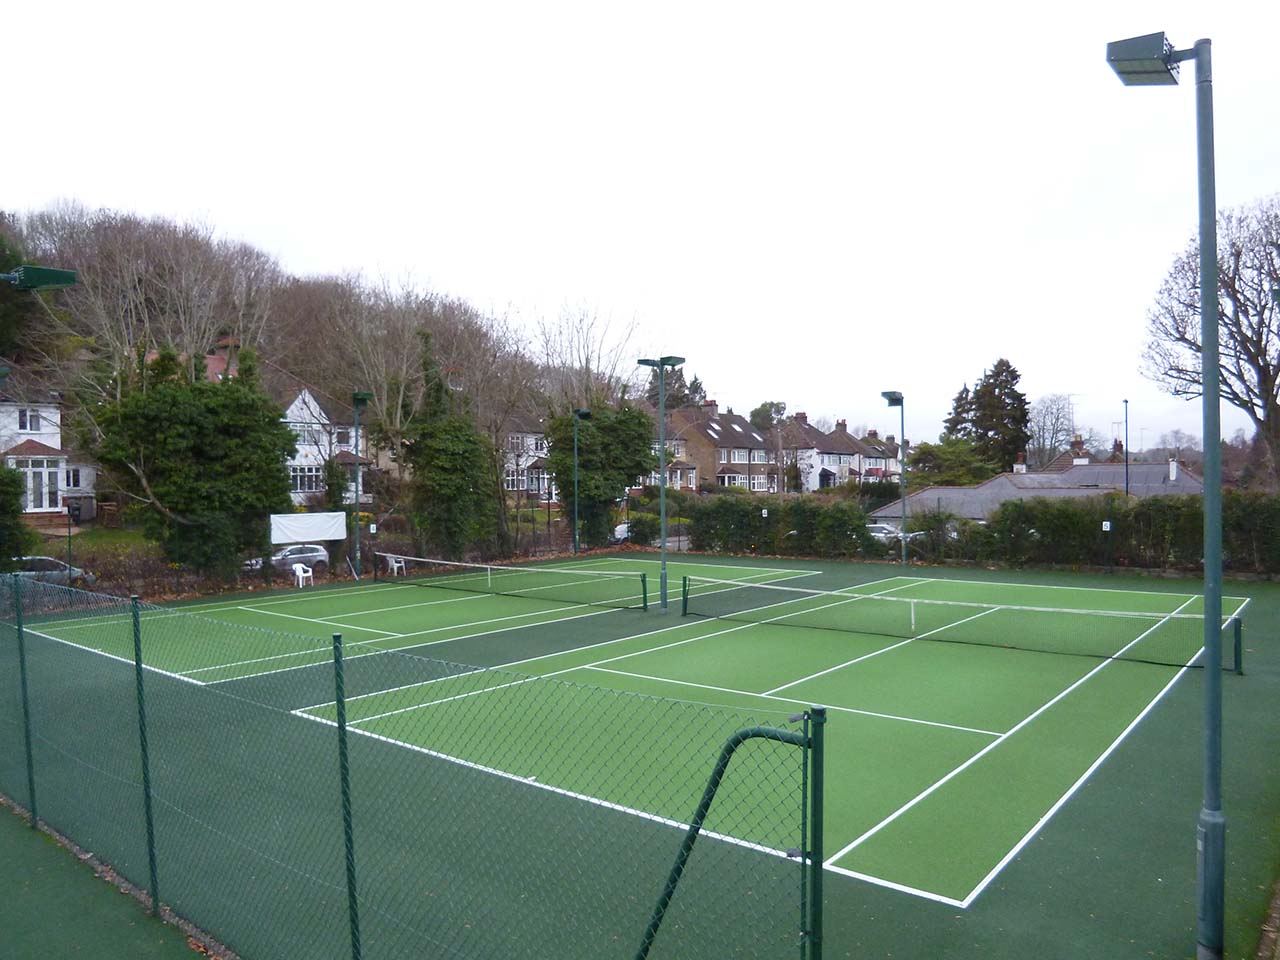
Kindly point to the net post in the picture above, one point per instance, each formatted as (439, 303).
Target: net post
(344, 778)
(644, 591)
(1237, 632)
(26, 701)
(817, 749)
(146, 757)
(684, 596)
(374, 561)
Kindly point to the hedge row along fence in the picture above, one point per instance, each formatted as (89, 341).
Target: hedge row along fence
(1156, 533)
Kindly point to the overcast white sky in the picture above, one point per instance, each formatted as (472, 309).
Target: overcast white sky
(811, 202)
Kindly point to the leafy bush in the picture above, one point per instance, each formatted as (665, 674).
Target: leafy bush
(645, 528)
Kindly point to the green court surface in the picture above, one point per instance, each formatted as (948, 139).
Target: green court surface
(945, 759)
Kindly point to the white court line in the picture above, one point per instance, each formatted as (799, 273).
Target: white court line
(624, 656)
(876, 653)
(111, 656)
(323, 623)
(748, 693)
(534, 782)
(1017, 848)
(866, 835)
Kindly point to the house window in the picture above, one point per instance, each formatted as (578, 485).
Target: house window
(306, 479)
(28, 420)
(738, 480)
(759, 456)
(724, 455)
(739, 455)
(344, 437)
(73, 478)
(759, 482)
(515, 443)
(511, 479)
(305, 434)
(540, 444)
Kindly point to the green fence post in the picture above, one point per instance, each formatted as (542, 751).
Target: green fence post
(644, 591)
(1238, 637)
(344, 777)
(684, 596)
(817, 748)
(146, 757)
(26, 702)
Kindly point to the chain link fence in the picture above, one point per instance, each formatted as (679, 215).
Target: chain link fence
(315, 802)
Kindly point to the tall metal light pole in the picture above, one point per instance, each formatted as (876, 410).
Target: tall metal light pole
(661, 365)
(1151, 61)
(359, 400)
(577, 415)
(895, 400)
(1126, 448)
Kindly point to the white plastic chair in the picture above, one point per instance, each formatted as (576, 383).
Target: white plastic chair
(397, 566)
(304, 574)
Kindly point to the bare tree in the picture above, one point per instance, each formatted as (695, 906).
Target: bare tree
(1248, 317)
(587, 361)
(1050, 428)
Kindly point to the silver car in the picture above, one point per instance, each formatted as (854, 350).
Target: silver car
(313, 555)
(52, 570)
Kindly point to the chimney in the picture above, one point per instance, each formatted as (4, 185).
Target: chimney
(873, 434)
(1173, 469)
(1020, 465)
(842, 426)
(1118, 447)
(890, 439)
(1077, 446)
(710, 408)
(802, 418)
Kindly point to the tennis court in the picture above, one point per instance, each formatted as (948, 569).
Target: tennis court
(962, 714)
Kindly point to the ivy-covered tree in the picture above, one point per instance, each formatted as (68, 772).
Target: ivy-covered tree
(208, 459)
(335, 485)
(16, 538)
(615, 448)
(452, 460)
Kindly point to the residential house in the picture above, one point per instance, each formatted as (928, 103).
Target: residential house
(979, 502)
(31, 442)
(881, 460)
(682, 473)
(524, 460)
(822, 460)
(724, 446)
(324, 431)
(1074, 456)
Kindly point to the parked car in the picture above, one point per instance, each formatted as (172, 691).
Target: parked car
(313, 555)
(621, 533)
(887, 534)
(52, 570)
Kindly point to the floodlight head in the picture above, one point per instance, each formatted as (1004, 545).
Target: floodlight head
(361, 398)
(671, 361)
(582, 414)
(893, 396)
(1144, 61)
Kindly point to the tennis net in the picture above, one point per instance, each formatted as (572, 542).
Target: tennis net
(618, 589)
(1173, 639)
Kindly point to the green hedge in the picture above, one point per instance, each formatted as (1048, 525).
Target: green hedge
(1165, 533)
(1155, 533)
(797, 525)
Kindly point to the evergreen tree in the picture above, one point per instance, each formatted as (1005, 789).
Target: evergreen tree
(952, 461)
(207, 458)
(697, 393)
(676, 388)
(960, 423)
(1001, 416)
(768, 415)
(16, 538)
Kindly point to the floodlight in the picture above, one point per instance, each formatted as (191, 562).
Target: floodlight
(1145, 61)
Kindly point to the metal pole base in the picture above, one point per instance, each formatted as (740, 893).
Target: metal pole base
(662, 589)
(1211, 836)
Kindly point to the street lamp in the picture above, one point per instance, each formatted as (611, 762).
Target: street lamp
(359, 400)
(661, 365)
(1147, 61)
(1126, 448)
(577, 415)
(895, 400)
